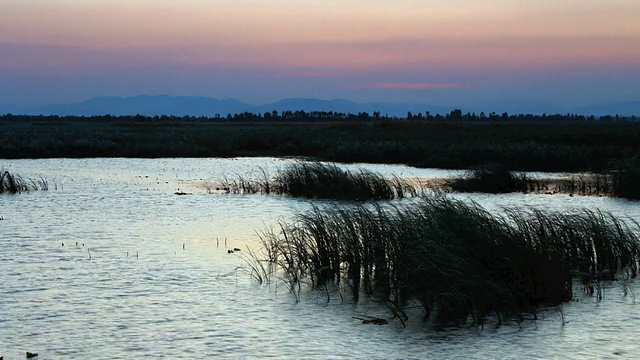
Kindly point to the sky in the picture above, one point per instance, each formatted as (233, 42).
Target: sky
(463, 53)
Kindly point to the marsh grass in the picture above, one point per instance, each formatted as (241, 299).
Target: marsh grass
(626, 180)
(322, 181)
(492, 179)
(458, 261)
(15, 184)
(498, 179)
(256, 266)
(586, 184)
(568, 146)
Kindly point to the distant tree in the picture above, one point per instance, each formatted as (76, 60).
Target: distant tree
(364, 116)
(455, 115)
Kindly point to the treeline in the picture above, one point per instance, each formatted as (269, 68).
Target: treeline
(330, 116)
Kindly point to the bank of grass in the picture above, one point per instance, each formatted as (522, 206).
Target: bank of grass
(317, 180)
(14, 184)
(458, 261)
(574, 146)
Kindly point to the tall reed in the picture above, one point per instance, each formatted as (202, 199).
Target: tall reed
(586, 184)
(455, 258)
(12, 184)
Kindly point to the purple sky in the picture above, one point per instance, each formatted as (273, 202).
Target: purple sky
(454, 53)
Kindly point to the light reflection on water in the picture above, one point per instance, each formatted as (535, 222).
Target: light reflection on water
(180, 297)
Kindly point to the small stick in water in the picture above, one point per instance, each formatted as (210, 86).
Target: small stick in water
(182, 246)
(89, 251)
(137, 257)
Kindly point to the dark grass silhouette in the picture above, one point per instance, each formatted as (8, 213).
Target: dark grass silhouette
(316, 180)
(626, 180)
(493, 178)
(14, 184)
(573, 146)
(456, 259)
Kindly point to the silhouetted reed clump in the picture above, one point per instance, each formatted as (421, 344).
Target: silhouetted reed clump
(626, 180)
(497, 179)
(324, 181)
(492, 179)
(585, 184)
(328, 181)
(456, 259)
(14, 184)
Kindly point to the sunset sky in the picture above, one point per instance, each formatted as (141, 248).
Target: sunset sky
(454, 53)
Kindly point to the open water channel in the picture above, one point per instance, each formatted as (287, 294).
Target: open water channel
(111, 264)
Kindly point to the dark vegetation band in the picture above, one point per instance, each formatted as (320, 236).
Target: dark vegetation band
(572, 146)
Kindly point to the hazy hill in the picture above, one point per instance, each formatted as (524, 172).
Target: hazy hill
(206, 106)
(146, 105)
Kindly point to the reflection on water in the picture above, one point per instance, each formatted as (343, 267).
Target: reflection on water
(145, 272)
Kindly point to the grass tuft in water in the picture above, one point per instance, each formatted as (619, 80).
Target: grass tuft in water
(492, 179)
(323, 181)
(15, 184)
(454, 258)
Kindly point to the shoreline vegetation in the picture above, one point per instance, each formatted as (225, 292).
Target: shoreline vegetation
(456, 260)
(557, 143)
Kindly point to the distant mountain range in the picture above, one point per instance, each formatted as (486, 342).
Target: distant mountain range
(206, 106)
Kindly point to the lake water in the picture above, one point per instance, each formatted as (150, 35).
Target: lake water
(146, 273)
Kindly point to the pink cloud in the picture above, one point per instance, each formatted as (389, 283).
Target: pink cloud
(413, 86)
(311, 73)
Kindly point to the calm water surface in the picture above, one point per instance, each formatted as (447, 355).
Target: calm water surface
(144, 272)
